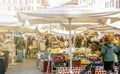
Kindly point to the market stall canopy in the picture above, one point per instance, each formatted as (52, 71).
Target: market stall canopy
(12, 24)
(64, 32)
(78, 25)
(59, 14)
(33, 19)
(8, 28)
(9, 21)
(64, 26)
(28, 30)
(71, 11)
(115, 24)
(18, 29)
(103, 29)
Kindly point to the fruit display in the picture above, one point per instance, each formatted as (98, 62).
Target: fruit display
(77, 51)
(94, 57)
(55, 51)
(61, 44)
(85, 61)
(88, 51)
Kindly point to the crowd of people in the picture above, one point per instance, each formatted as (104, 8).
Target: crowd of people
(107, 47)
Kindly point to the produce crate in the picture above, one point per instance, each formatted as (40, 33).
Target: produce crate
(75, 63)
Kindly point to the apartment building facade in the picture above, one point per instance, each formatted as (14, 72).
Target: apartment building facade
(9, 7)
(99, 3)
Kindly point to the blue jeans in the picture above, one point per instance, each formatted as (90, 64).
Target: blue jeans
(20, 55)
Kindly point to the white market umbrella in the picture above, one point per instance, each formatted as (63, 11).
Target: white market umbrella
(115, 24)
(59, 14)
(70, 14)
(70, 11)
(9, 21)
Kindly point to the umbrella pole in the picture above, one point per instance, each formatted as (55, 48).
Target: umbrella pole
(70, 43)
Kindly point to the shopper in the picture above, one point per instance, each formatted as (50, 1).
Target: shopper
(47, 42)
(20, 45)
(117, 51)
(107, 52)
(78, 42)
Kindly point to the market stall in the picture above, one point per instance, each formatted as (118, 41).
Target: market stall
(71, 14)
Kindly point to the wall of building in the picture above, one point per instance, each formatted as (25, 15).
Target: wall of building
(99, 3)
(86, 3)
(9, 7)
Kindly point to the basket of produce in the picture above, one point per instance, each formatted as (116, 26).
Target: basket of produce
(55, 51)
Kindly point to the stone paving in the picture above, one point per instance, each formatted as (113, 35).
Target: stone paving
(28, 66)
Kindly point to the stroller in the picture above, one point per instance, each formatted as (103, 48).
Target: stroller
(89, 67)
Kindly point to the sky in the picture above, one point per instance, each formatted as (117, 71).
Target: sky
(57, 2)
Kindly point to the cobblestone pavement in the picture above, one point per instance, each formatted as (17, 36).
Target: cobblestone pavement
(28, 66)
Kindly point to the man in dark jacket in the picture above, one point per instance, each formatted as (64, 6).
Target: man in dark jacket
(20, 45)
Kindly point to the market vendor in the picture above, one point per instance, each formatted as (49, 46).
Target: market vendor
(94, 46)
(78, 41)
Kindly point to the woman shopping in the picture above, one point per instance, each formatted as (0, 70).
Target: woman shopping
(107, 53)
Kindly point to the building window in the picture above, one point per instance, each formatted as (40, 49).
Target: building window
(106, 5)
(31, 8)
(84, 1)
(111, 3)
(9, 8)
(80, 1)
